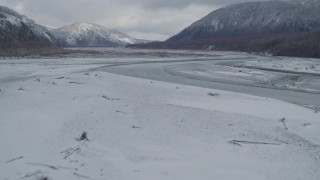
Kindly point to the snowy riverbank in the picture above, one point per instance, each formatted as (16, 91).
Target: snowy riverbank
(143, 129)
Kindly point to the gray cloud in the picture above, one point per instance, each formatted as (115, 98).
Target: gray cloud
(150, 19)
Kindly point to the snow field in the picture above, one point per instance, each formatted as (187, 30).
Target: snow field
(143, 129)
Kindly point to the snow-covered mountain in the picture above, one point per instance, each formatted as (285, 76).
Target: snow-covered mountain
(19, 31)
(90, 35)
(255, 18)
(283, 28)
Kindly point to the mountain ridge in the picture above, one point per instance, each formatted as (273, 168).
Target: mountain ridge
(82, 34)
(287, 28)
(253, 18)
(18, 31)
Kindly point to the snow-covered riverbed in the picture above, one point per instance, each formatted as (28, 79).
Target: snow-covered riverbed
(145, 129)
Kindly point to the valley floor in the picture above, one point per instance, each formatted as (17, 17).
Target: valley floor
(146, 129)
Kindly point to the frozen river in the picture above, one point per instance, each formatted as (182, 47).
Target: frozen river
(157, 71)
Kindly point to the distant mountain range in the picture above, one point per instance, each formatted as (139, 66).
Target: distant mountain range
(278, 27)
(20, 35)
(283, 27)
(91, 35)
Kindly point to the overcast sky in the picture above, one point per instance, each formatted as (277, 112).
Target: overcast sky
(147, 19)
